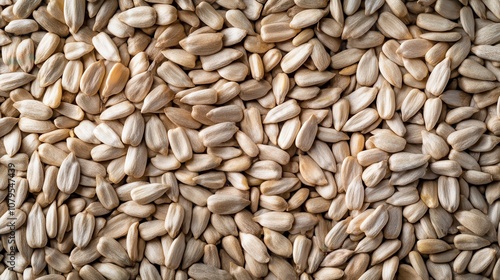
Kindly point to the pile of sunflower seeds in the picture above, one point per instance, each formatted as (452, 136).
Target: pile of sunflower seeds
(249, 139)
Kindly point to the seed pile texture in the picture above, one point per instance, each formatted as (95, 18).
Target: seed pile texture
(249, 139)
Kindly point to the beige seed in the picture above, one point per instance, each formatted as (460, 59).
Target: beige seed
(52, 69)
(209, 16)
(306, 134)
(296, 57)
(434, 145)
(223, 204)
(448, 193)
(469, 242)
(115, 80)
(92, 78)
(10, 81)
(74, 14)
(113, 250)
(202, 44)
(254, 247)
(148, 193)
(361, 120)
(219, 59)
(35, 229)
(203, 271)
(464, 138)
(481, 260)
(218, 133)
(358, 24)
(474, 221)
(278, 221)
(393, 26)
(139, 17)
(277, 32)
(83, 229)
(46, 47)
(107, 135)
(406, 161)
(388, 141)
(277, 243)
(68, 176)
